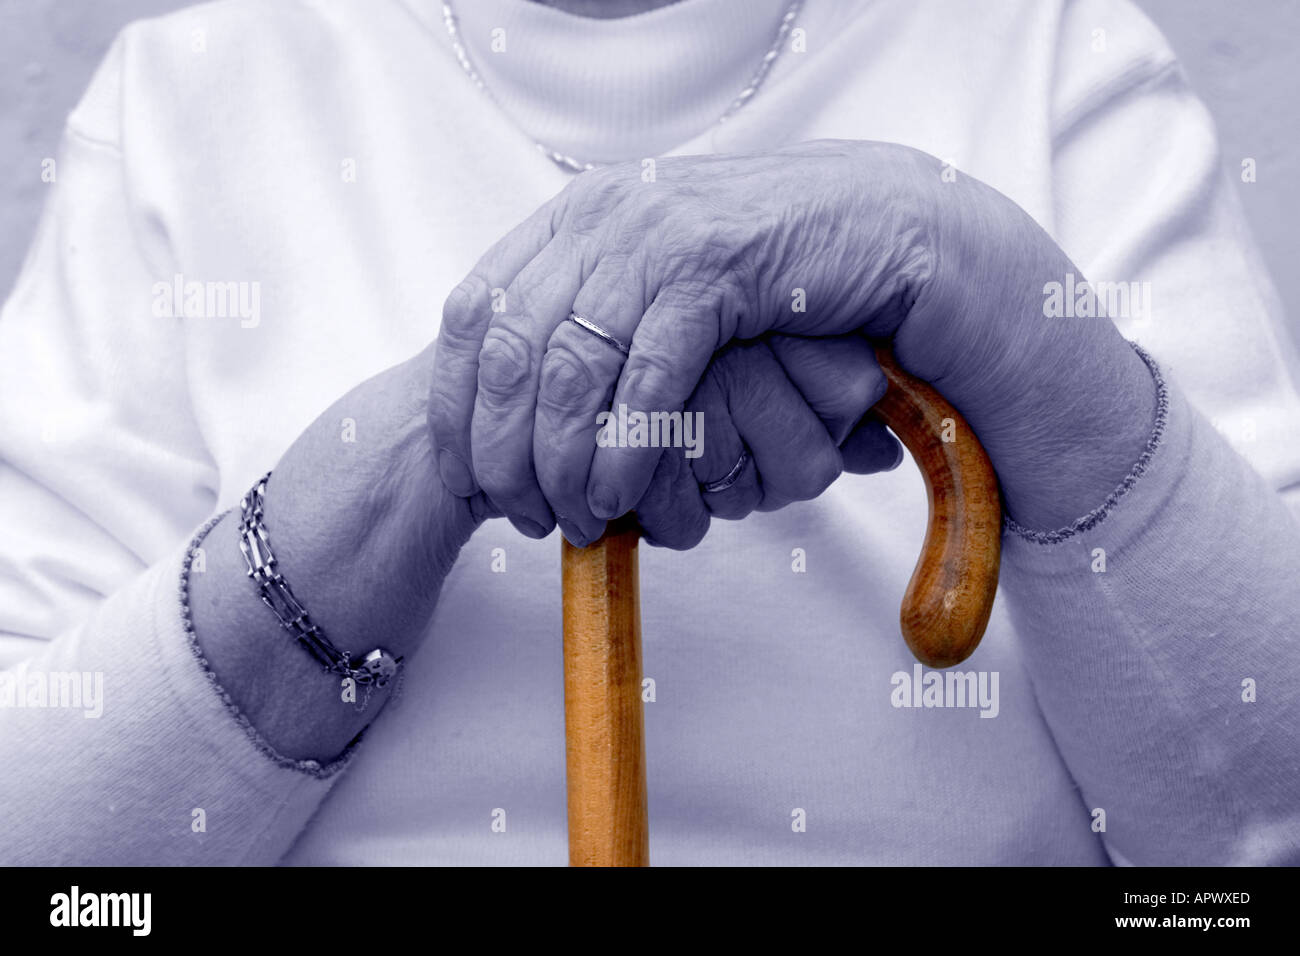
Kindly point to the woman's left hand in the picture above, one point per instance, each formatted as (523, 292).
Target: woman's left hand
(770, 423)
(822, 239)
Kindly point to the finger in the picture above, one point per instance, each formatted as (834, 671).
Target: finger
(838, 377)
(724, 469)
(670, 349)
(465, 318)
(871, 448)
(672, 513)
(794, 454)
(572, 411)
(579, 372)
(509, 372)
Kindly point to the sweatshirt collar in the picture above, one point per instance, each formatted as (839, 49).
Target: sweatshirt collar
(603, 90)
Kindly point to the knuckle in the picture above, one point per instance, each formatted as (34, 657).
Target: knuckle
(506, 487)
(534, 291)
(661, 204)
(732, 507)
(677, 531)
(651, 377)
(859, 390)
(841, 402)
(819, 473)
(756, 401)
(696, 530)
(505, 364)
(592, 195)
(567, 380)
(561, 474)
(814, 470)
(601, 182)
(460, 310)
(594, 187)
(849, 393)
(773, 501)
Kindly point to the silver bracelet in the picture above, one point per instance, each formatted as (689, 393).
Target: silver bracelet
(376, 669)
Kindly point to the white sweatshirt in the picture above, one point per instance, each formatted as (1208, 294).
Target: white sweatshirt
(336, 154)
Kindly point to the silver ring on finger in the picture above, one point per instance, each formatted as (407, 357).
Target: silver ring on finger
(594, 329)
(731, 477)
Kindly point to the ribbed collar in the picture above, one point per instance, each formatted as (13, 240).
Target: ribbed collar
(605, 90)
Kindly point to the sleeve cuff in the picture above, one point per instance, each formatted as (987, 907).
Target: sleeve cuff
(1137, 473)
(233, 714)
(162, 771)
(261, 799)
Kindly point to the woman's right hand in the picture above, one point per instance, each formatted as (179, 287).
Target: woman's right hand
(364, 533)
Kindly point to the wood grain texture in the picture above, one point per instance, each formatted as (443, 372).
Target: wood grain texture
(604, 735)
(950, 596)
(943, 616)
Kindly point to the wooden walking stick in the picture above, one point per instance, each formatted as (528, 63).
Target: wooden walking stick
(950, 595)
(604, 739)
(944, 612)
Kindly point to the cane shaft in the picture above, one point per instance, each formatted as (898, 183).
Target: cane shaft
(604, 734)
(943, 616)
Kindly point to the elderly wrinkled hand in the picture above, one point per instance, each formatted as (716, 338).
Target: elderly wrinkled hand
(770, 423)
(830, 240)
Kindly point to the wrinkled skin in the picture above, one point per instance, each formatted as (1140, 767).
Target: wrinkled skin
(788, 403)
(811, 247)
(699, 272)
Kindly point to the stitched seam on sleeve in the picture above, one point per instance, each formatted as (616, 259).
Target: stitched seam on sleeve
(1098, 514)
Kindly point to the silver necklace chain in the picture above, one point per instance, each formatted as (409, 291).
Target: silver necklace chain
(577, 165)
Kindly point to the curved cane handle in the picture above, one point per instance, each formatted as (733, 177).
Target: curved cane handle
(943, 616)
(948, 601)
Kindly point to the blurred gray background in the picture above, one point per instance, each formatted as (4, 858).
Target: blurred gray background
(1240, 57)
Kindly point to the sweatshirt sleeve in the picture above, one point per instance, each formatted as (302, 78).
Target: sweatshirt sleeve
(1161, 638)
(1161, 631)
(117, 743)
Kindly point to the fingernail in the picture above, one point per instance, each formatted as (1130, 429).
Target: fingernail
(572, 533)
(456, 475)
(529, 527)
(603, 501)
